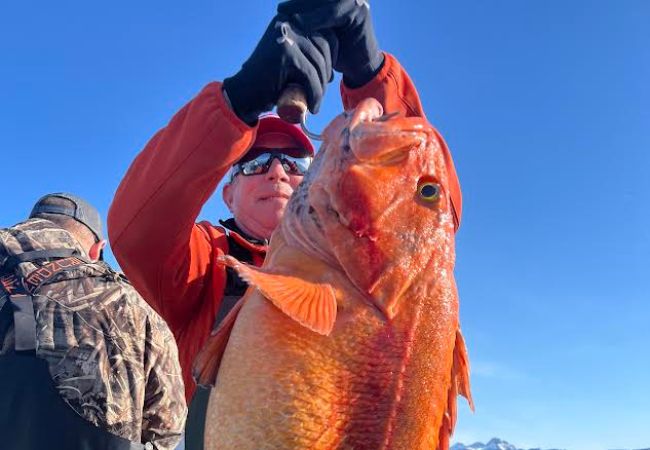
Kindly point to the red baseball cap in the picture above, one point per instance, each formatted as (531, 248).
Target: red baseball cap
(271, 128)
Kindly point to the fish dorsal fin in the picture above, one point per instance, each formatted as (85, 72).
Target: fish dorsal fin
(459, 385)
(313, 305)
(207, 362)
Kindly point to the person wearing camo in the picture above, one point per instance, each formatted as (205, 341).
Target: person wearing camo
(85, 363)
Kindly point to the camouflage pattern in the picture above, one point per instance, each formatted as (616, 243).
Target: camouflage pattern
(111, 356)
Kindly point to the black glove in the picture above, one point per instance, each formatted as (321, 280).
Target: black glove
(359, 58)
(284, 55)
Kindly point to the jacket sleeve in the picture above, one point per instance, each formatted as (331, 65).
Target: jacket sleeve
(393, 88)
(164, 407)
(151, 220)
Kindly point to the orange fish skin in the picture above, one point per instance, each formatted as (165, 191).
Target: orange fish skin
(384, 371)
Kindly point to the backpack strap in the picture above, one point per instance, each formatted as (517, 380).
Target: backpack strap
(11, 262)
(24, 322)
(13, 284)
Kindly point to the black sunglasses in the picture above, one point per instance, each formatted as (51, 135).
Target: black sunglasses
(292, 165)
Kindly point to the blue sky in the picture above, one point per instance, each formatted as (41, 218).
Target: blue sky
(544, 104)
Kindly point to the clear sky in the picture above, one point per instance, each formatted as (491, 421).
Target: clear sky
(544, 104)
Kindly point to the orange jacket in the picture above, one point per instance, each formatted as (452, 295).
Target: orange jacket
(151, 223)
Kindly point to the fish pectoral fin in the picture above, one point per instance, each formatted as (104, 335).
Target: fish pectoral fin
(207, 362)
(460, 373)
(459, 384)
(313, 305)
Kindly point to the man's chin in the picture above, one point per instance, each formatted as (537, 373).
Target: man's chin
(271, 210)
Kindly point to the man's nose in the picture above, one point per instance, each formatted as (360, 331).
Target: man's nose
(276, 172)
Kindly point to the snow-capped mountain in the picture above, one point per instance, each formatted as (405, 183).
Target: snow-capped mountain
(493, 444)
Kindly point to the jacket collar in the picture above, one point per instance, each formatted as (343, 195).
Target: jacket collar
(243, 239)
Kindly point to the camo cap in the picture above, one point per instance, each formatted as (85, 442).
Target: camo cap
(79, 209)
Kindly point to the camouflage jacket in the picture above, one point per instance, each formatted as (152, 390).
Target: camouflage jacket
(111, 356)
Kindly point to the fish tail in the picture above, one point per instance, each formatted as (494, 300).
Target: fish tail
(207, 362)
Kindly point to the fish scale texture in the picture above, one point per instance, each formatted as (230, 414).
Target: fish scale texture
(332, 394)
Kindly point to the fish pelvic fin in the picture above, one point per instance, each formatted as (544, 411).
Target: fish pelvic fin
(459, 384)
(207, 362)
(313, 305)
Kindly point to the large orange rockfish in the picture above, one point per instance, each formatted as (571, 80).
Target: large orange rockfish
(349, 336)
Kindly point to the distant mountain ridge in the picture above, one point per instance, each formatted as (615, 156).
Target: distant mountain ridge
(493, 444)
(499, 444)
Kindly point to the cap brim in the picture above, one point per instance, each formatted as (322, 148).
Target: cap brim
(273, 124)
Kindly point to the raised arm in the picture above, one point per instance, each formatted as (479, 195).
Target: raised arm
(151, 221)
(392, 86)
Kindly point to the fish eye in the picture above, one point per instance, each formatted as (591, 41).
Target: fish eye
(429, 191)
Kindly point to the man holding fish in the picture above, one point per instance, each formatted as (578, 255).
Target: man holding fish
(172, 260)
